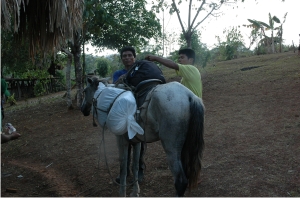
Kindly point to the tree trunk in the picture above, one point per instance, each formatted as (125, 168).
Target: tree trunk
(189, 42)
(68, 79)
(272, 43)
(281, 31)
(76, 51)
(83, 65)
(188, 38)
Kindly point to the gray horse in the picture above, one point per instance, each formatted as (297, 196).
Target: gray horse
(172, 114)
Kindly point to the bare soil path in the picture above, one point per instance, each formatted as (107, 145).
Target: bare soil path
(251, 134)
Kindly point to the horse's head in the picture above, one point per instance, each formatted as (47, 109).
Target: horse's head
(88, 94)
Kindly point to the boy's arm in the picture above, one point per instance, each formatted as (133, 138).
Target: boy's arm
(163, 61)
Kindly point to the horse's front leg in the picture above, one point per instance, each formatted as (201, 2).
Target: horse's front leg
(123, 155)
(135, 165)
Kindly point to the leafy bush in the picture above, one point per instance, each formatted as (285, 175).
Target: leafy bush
(39, 89)
(11, 99)
(61, 82)
(232, 47)
(259, 50)
(102, 66)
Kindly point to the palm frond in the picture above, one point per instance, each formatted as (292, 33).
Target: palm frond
(276, 19)
(47, 24)
(255, 23)
(264, 24)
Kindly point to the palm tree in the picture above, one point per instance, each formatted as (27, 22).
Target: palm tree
(271, 26)
(264, 26)
(280, 32)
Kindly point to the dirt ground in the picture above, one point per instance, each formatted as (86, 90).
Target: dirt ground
(252, 140)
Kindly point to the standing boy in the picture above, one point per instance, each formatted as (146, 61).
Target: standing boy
(191, 77)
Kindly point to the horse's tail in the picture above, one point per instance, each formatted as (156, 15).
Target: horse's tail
(194, 143)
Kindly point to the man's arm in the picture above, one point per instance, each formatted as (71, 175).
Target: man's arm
(163, 61)
(116, 76)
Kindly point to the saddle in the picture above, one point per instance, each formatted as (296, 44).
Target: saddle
(143, 88)
(140, 93)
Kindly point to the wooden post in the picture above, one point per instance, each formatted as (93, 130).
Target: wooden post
(19, 90)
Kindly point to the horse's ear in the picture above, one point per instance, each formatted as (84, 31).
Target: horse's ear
(90, 80)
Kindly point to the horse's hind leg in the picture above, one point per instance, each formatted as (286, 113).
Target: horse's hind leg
(180, 183)
(123, 155)
(174, 161)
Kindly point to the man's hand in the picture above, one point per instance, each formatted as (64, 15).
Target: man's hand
(120, 79)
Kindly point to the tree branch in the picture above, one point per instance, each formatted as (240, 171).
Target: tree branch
(189, 19)
(204, 18)
(177, 12)
(66, 51)
(198, 11)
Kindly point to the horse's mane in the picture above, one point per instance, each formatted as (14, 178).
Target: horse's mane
(103, 80)
(95, 78)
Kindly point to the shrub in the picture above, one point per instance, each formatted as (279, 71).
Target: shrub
(39, 89)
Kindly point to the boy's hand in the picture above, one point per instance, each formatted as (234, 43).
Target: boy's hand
(150, 58)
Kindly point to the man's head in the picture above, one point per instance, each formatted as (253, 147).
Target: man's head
(128, 56)
(186, 56)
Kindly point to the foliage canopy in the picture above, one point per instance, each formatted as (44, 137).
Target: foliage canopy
(114, 24)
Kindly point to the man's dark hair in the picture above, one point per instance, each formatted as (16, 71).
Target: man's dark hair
(128, 48)
(188, 52)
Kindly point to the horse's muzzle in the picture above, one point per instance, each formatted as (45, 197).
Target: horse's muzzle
(85, 111)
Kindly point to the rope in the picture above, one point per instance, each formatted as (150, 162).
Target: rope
(109, 172)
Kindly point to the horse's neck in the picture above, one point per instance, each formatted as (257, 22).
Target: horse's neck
(100, 88)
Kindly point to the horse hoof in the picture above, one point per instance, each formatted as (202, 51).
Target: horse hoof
(141, 176)
(118, 179)
(134, 194)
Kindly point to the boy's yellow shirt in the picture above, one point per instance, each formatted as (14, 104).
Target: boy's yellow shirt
(191, 78)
